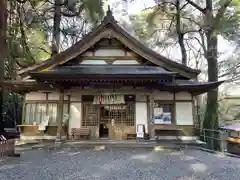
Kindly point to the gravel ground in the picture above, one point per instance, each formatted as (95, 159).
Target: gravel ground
(122, 164)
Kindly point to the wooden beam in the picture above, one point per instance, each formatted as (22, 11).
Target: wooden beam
(44, 101)
(194, 112)
(149, 123)
(23, 110)
(151, 112)
(69, 106)
(174, 121)
(109, 58)
(90, 91)
(60, 115)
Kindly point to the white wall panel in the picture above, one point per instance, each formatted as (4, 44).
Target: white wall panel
(109, 52)
(53, 96)
(75, 96)
(141, 114)
(75, 118)
(184, 113)
(183, 96)
(162, 95)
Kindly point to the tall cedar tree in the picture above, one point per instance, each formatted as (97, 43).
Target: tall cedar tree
(3, 52)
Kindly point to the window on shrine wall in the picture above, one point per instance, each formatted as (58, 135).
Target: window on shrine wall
(162, 113)
(35, 113)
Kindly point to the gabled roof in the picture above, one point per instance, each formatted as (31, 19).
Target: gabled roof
(107, 29)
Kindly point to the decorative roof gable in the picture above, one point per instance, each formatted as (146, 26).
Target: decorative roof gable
(110, 29)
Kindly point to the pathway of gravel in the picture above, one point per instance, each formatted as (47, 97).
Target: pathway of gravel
(120, 164)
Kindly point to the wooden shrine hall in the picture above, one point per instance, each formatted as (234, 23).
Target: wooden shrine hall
(105, 86)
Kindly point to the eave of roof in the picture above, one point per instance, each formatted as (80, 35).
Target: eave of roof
(126, 70)
(195, 88)
(23, 86)
(108, 21)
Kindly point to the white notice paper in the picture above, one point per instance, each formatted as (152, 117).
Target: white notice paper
(140, 133)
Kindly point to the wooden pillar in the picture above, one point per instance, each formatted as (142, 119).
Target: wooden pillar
(174, 117)
(151, 112)
(148, 116)
(60, 115)
(69, 106)
(194, 113)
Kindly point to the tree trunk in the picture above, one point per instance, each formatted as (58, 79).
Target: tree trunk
(211, 117)
(183, 49)
(180, 33)
(3, 50)
(56, 27)
(211, 114)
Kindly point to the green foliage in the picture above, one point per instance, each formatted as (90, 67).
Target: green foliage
(92, 10)
(30, 27)
(38, 44)
(230, 23)
(31, 45)
(141, 28)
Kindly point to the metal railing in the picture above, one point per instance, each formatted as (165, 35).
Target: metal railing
(213, 139)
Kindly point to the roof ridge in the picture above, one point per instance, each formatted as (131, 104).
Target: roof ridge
(109, 16)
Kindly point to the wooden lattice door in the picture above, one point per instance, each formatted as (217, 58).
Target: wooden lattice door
(91, 119)
(121, 117)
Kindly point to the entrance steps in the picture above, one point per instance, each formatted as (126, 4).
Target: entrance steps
(150, 144)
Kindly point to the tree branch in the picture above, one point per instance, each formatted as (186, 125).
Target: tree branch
(191, 31)
(23, 36)
(192, 20)
(73, 14)
(202, 43)
(21, 65)
(196, 6)
(183, 6)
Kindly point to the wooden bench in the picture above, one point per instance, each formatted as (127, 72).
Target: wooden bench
(178, 142)
(170, 128)
(132, 136)
(78, 132)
